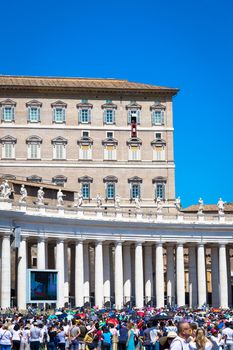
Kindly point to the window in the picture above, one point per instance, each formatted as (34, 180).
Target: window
(134, 146)
(109, 116)
(135, 187)
(85, 152)
(85, 134)
(108, 101)
(158, 135)
(159, 183)
(59, 112)
(159, 153)
(135, 191)
(157, 114)
(33, 111)
(8, 109)
(110, 152)
(109, 134)
(110, 191)
(85, 148)
(34, 114)
(34, 147)
(134, 113)
(86, 191)
(59, 115)
(8, 146)
(85, 183)
(84, 100)
(159, 149)
(84, 112)
(59, 147)
(84, 116)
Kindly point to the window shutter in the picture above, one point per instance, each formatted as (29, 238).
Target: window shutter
(79, 116)
(89, 115)
(13, 113)
(163, 190)
(129, 116)
(105, 116)
(63, 114)
(28, 115)
(162, 117)
(153, 118)
(38, 114)
(54, 114)
(113, 116)
(138, 116)
(131, 191)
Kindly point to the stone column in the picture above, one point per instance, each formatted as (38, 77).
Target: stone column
(127, 272)
(21, 275)
(79, 273)
(229, 277)
(6, 273)
(223, 285)
(99, 274)
(192, 277)
(215, 276)
(60, 269)
(41, 253)
(86, 283)
(148, 273)
(201, 274)
(170, 275)
(159, 275)
(180, 274)
(106, 272)
(118, 275)
(66, 273)
(139, 281)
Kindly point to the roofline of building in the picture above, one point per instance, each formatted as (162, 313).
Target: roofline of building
(153, 89)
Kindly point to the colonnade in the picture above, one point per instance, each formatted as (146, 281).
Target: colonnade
(146, 272)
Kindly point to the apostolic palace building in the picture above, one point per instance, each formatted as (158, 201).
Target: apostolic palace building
(87, 190)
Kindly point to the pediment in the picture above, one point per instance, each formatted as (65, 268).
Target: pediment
(34, 103)
(59, 103)
(157, 106)
(84, 105)
(133, 105)
(59, 139)
(109, 105)
(85, 179)
(109, 141)
(34, 139)
(159, 179)
(134, 140)
(8, 139)
(136, 179)
(8, 102)
(110, 178)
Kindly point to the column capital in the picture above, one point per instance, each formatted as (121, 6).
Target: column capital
(158, 244)
(200, 244)
(222, 245)
(180, 244)
(60, 240)
(6, 236)
(99, 242)
(79, 241)
(41, 239)
(118, 242)
(138, 243)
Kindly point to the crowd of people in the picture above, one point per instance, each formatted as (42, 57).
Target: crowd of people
(129, 329)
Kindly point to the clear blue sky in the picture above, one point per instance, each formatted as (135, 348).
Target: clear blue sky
(179, 43)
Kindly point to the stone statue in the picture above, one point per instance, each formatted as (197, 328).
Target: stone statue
(159, 205)
(137, 202)
(98, 200)
(201, 205)
(23, 193)
(60, 196)
(178, 203)
(40, 196)
(117, 201)
(5, 190)
(220, 205)
(79, 199)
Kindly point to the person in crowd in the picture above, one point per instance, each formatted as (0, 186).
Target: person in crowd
(74, 333)
(181, 341)
(61, 337)
(16, 337)
(35, 334)
(123, 336)
(130, 345)
(52, 338)
(201, 342)
(107, 339)
(227, 334)
(25, 335)
(5, 338)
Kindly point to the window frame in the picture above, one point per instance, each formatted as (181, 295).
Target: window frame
(34, 141)
(8, 140)
(8, 103)
(62, 142)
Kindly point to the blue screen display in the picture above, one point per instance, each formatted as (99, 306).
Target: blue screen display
(43, 285)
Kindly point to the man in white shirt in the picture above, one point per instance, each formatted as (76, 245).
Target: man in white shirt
(181, 341)
(227, 334)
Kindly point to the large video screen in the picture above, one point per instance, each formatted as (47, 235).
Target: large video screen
(42, 286)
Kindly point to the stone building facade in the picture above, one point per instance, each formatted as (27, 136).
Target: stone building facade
(102, 136)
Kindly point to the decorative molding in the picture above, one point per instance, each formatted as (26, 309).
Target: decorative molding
(133, 105)
(34, 139)
(109, 141)
(134, 141)
(109, 105)
(157, 106)
(135, 179)
(85, 140)
(59, 103)
(159, 179)
(8, 102)
(34, 103)
(84, 105)
(110, 178)
(8, 139)
(85, 178)
(59, 140)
